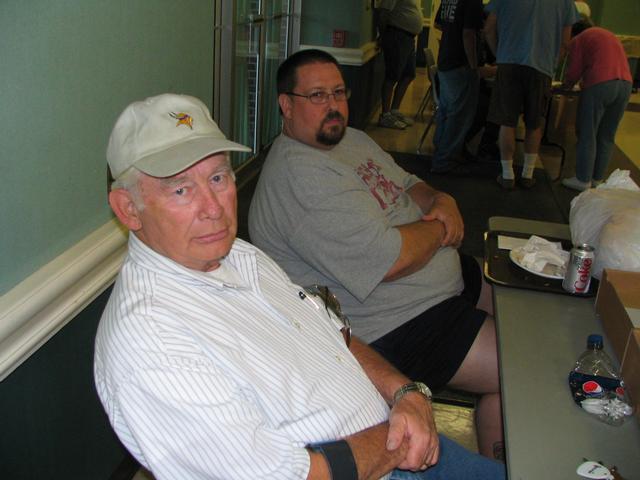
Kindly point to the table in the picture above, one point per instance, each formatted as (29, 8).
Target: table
(540, 336)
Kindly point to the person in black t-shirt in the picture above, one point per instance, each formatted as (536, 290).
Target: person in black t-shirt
(459, 74)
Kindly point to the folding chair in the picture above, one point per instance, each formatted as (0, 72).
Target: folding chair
(433, 70)
(430, 61)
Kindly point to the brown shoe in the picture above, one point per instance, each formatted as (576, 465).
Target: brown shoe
(506, 183)
(526, 182)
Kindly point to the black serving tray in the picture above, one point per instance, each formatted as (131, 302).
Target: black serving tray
(500, 270)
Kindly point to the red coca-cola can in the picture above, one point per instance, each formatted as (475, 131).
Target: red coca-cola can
(577, 278)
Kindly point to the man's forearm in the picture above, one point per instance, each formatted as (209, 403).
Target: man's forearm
(372, 458)
(469, 40)
(384, 376)
(424, 195)
(369, 449)
(411, 422)
(369, 446)
(420, 241)
(491, 32)
(564, 45)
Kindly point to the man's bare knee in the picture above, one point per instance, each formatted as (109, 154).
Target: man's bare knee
(478, 372)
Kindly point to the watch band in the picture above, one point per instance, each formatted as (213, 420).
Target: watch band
(418, 387)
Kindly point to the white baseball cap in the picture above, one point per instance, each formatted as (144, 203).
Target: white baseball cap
(163, 135)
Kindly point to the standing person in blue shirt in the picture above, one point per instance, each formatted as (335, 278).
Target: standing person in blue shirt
(527, 37)
(459, 75)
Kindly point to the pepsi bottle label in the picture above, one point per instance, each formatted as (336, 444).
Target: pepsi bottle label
(585, 386)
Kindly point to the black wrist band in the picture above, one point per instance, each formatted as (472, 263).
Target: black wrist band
(339, 457)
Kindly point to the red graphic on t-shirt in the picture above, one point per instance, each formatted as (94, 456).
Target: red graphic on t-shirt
(386, 192)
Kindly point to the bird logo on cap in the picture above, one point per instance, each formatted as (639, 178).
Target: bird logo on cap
(183, 119)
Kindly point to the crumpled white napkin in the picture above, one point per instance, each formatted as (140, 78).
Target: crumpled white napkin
(538, 252)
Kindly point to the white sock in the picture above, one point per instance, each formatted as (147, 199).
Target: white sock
(529, 164)
(507, 169)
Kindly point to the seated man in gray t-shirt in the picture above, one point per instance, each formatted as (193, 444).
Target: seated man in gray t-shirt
(332, 208)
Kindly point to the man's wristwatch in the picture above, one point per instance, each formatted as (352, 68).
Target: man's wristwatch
(418, 387)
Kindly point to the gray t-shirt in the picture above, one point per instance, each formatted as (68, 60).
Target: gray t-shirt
(328, 216)
(404, 14)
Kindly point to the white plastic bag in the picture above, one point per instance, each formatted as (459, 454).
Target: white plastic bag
(608, 218)
(620, 179)
(620, 243)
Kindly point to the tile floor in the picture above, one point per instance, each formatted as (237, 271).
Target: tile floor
(627, 138)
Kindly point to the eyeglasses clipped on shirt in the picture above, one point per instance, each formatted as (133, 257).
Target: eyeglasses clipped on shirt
(332, 307)
(321, 97)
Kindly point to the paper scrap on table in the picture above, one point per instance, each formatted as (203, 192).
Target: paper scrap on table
(509, 243)
(539, 252)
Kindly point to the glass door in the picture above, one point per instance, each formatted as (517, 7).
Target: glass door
(252, 39)
(277, 36)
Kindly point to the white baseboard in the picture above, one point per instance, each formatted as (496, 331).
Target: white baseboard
(35, 309)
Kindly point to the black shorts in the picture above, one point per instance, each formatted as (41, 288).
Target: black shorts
(519, 89)
(399, 50)
(431, 347)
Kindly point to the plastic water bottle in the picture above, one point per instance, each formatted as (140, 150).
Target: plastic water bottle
(596, 385)
(595, 361)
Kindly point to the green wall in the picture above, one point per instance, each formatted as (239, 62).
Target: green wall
(68, 68)
(319, 19)
(620, 17)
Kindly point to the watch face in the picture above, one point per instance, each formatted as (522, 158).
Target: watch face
(426, 391)
(412, 387)
(420, 387)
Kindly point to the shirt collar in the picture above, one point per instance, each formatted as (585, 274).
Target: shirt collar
(225, 276)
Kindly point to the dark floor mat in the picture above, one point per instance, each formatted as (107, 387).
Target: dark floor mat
(482, 198)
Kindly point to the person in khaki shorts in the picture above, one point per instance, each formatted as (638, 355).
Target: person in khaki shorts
(527, 37)
(399, 21)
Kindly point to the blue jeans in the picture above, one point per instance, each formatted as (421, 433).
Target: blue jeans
(600, 110)
(458, 99)
(456, 463)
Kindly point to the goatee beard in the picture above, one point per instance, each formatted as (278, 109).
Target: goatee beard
(335, 133)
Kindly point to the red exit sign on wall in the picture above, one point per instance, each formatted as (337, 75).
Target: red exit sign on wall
(339, 38)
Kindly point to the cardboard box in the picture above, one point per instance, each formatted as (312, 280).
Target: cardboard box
(631, 370)
(618, 304)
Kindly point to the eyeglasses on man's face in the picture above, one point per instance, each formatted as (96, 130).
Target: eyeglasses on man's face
(321, 97)
(332, 307)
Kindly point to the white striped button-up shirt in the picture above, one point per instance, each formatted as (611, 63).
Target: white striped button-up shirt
(225, 374)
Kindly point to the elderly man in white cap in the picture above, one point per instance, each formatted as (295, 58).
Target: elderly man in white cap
(211, 363)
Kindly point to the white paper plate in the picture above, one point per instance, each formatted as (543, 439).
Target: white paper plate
(549, 271)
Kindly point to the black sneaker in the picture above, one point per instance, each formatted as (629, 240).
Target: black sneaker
(506, 183)
(526, 182)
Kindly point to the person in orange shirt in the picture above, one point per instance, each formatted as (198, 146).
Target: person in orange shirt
(598, 60)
